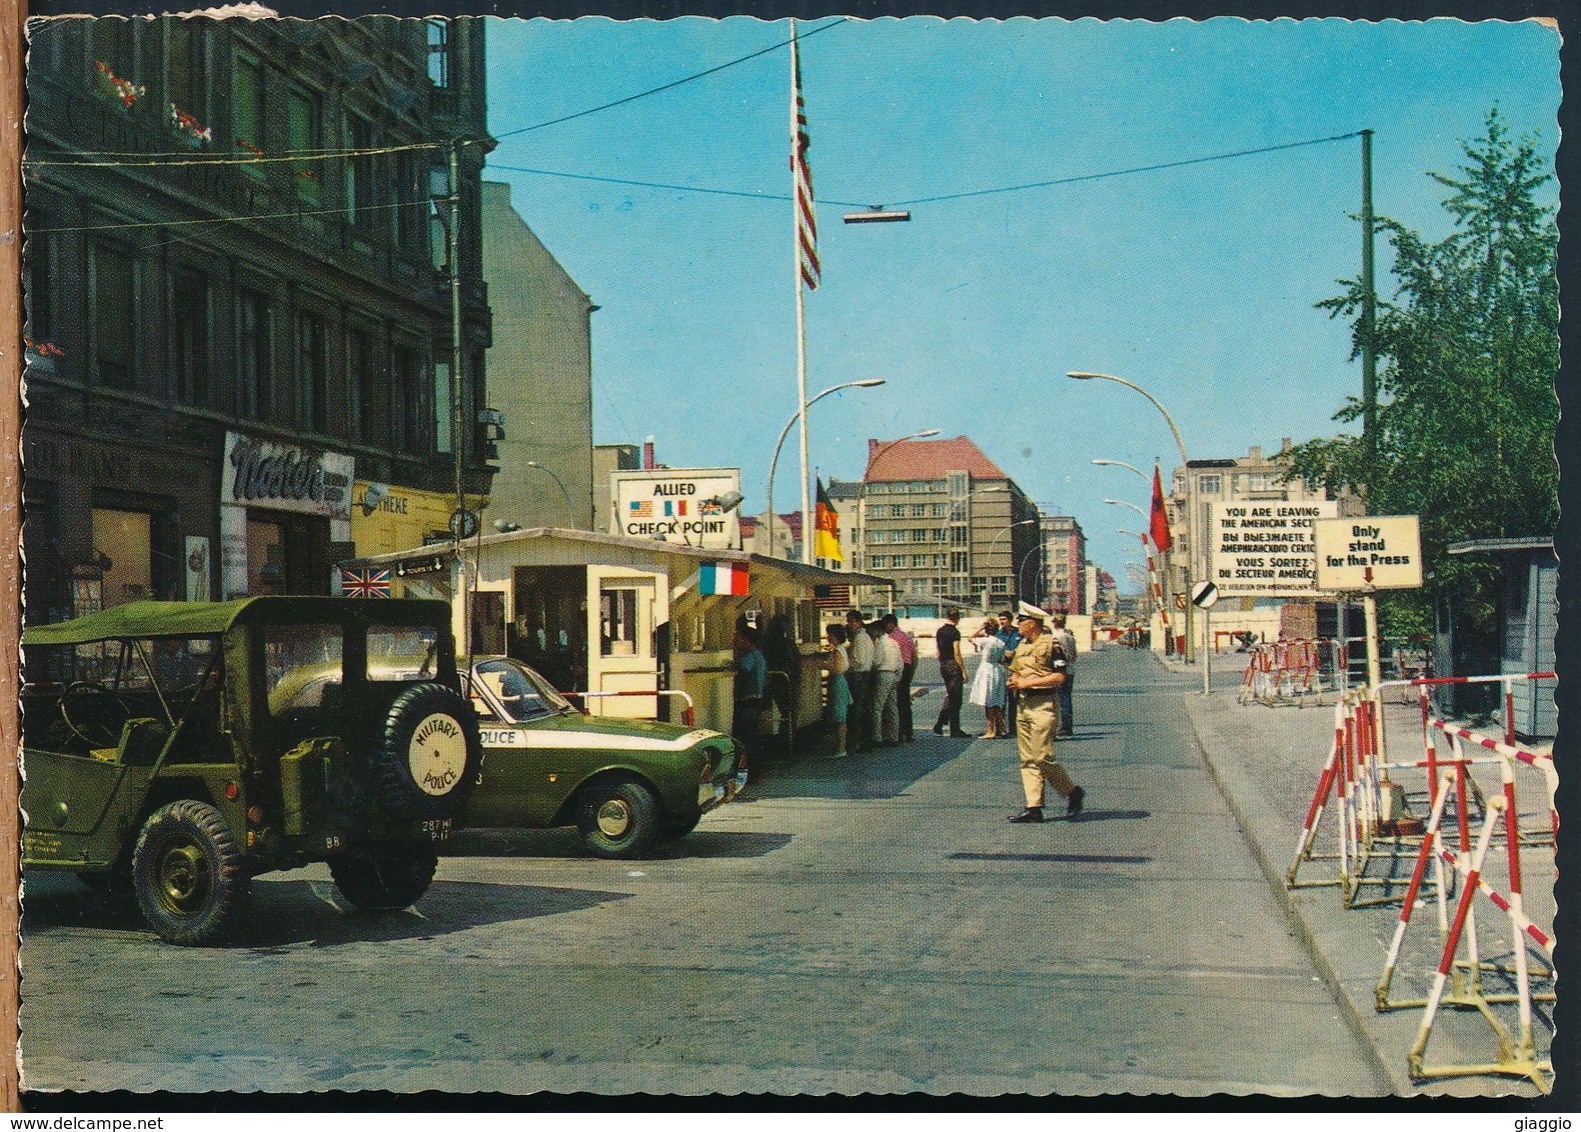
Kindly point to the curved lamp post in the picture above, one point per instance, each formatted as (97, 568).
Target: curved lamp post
(1122, 464)
(992, 544)
(569, 510)
(1191, 514)
(867, 383)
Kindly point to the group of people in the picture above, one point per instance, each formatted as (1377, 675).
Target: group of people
(870, 666)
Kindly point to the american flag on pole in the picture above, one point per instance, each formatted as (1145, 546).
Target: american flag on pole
(806, 222)
(365, 582)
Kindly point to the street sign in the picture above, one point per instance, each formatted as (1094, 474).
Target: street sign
(1371, 552)
(680, 505)
(1264, 548)
(1204, 594)
(463, 524)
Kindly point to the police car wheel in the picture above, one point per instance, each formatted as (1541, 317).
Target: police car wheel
(618, 818)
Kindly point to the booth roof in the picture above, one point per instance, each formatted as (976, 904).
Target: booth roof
(815, 574)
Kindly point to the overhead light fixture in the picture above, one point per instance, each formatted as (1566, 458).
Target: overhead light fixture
(876, 215)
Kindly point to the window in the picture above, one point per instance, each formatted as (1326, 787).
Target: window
(936, 510)
(253, 361)
(304, 140)
(439, 53)
(312, 374)
(112, 313)
(364, 398)
(188, 90)
(411, 387)
(875, 536)
(958, 536)
(999, 585)
(919, 510)
(125, 538)
(940, 534)
(919, 561)
(958, 562)
(247, 113)
(919, 534)
(189, 335)
(359, 171)
(1210, 485)
(302, 667)
(443, 409)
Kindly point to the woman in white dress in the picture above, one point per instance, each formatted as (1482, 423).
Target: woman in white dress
(988, 686)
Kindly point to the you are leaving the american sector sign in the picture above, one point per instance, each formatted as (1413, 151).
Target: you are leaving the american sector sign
(1369, 552)
(1264, 548)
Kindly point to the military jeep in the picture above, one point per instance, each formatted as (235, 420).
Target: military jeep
(175, 750)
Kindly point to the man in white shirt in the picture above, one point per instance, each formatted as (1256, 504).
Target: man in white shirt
(888, 663)
(859, 735)
(1067, 643)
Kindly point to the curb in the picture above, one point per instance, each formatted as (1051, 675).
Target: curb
(1395, 1080)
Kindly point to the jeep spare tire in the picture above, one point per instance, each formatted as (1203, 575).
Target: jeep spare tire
(427, 753)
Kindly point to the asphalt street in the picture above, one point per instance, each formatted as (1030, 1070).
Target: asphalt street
(872, 924)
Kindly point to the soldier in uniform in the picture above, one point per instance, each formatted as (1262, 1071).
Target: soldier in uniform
(1036, 672)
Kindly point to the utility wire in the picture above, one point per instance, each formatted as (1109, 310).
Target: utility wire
(658, 185)
(159, 161)
(802, 37)
(1126, 172)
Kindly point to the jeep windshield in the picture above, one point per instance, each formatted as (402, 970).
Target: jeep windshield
(515, 693)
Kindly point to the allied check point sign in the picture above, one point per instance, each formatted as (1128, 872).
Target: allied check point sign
(1372, 552)
(1265, 548)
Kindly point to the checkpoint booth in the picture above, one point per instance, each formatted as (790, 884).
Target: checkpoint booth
(617, 617)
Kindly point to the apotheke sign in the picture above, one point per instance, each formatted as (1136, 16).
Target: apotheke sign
(1373, 552)
(1266, 548)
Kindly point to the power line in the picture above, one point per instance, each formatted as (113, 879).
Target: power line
(160, 162)
(778, 197)
(1126, 172)
(803, 37)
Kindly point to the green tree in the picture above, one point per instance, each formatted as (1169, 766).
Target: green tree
(1468, 347)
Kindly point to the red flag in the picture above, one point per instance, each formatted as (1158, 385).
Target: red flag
(806, 222)
(1159, 527)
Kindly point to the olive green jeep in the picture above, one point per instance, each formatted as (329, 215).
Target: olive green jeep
(177, 749)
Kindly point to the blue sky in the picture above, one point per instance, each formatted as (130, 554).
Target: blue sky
(1198, 283)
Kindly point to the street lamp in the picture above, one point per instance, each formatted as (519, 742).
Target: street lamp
(1191, 514)
(1132, 506)
(1122, 464)
(992, 544)
(569, 510)
(866, 383)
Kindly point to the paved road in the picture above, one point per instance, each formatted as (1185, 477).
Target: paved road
(872, 924)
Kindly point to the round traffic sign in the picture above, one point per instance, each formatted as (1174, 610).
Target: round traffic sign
(1204, 594)
(463, 524)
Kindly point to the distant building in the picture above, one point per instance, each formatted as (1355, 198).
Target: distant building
(942, 520)
(608, 459)
(540, 375)
(221, 409)
(786, 535)
(1064, 564)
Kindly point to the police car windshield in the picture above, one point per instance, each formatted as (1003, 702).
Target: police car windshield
(521, 692)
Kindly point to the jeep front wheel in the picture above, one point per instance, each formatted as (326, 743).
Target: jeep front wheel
(427, 755)
(188, 873)
(394, 879)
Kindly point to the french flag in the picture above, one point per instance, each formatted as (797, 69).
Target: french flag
(722, 578)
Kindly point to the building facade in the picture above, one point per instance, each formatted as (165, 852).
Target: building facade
(945, 523)
(1064, 564)
(239, 302)
(540, 375)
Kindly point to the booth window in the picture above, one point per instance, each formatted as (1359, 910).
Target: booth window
(619, 618)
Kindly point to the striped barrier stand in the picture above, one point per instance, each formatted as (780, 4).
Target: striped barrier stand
(689, 716)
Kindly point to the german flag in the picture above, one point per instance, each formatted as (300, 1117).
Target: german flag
(827, 543)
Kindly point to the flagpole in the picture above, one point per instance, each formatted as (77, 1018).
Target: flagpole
(796, 277)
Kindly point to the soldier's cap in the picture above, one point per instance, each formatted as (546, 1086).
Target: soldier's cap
(1035, 617)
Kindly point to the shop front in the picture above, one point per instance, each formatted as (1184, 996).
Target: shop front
(285, 516)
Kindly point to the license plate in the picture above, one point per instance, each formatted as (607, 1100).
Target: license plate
(437, 829)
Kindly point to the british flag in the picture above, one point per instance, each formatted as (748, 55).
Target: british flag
(365, 582)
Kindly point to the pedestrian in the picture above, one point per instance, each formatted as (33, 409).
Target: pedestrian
(837, 662)
(952, 672)
(782, 656)
(860, 677)
(1011, 638)
(1036, 672)
(988, 685)
(887, 667)
(750, 673)
(1067, 643)
(908, 660)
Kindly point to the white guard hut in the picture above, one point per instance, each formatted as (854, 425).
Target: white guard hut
(607, 614)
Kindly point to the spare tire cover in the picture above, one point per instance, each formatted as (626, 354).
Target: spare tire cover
(428, 753)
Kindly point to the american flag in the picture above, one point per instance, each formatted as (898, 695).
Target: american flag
(642, 509)
(806, 222)
(365, 582)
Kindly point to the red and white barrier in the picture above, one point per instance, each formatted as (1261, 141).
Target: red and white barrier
(689, 716)
(1283, 671)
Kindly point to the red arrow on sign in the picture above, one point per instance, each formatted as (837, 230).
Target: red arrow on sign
(1367, 575)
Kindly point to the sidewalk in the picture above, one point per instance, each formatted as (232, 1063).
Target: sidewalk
(1266, 762)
